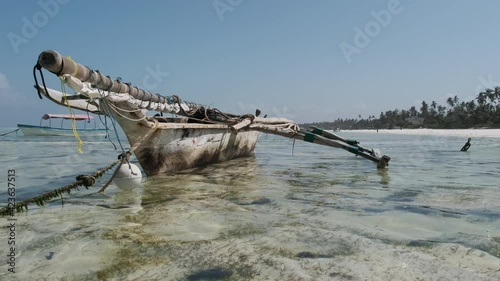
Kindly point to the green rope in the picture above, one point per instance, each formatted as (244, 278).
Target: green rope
(82, 180)
(353, 149)
(309, 137)
(318, 131)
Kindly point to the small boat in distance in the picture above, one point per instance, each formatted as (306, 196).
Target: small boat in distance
(31, 130)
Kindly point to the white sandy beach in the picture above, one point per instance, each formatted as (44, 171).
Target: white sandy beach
(485, 133)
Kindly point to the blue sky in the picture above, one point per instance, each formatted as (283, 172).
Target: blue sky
(284, 57)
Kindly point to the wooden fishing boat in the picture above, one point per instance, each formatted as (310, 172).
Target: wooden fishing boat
(201, 136)
(177, 143)
(48, 130)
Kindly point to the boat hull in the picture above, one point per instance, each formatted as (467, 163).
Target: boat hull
(175, 144)
(174, 147)
(30, 130)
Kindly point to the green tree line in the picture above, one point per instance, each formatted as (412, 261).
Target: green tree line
(482, 111)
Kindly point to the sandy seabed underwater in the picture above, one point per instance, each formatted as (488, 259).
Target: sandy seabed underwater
(292, 211)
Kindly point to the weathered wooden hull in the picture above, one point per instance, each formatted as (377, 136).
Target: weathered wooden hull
(174, 149)
(175, 145)
(179, 146)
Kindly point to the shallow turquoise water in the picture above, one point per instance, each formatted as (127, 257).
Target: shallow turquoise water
(289, 212)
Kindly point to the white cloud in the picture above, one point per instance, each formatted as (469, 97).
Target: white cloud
(4, 83)
(360, 105)
(7, 95)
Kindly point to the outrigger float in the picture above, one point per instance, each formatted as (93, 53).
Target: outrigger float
(203, 135)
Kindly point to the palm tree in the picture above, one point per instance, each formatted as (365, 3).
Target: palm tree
(470, 106)
(433, 106)
(413, 111)
(482, 111)
(450, 102)
(481, 99)
(441, 110)
(424, 109)
(490, 94)
(497, 94)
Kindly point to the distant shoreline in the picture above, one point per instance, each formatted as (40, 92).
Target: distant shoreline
(486, 133)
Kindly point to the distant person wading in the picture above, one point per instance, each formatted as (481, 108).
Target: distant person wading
(466, 145)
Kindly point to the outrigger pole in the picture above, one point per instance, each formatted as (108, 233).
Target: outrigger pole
(63, 66)
(320, 136)
(354, 147)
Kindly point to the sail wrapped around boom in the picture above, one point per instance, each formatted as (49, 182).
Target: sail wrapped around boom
(59, 65)
(87, 81)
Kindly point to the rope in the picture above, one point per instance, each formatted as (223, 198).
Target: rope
(108, 109)
(124, 110)
(105, 123)
(39, 67)
(122, 157)
(75, 65)
(73, 122)
(125, 156)
(10, 132)
(192, 111)
(115, 109)
(81, 180)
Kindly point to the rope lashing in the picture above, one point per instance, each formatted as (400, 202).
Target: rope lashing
(87, 180)
(82, 180)
(124, 157)
(309, 137)
(352, 142)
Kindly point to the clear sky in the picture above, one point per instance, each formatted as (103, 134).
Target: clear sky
(306, 60)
